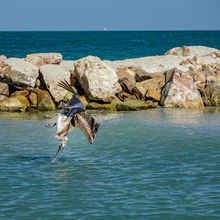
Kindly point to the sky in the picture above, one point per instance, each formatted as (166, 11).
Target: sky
(90, 15)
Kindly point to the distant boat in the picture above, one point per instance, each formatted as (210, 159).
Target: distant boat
(105, 29)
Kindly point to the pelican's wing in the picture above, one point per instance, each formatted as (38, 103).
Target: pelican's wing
(75, 104)
(87, 125)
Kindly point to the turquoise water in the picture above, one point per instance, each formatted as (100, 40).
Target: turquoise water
(111, 45)
(154, 164)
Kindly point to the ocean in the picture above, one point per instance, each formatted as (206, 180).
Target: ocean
(110, 45)
(153, 164)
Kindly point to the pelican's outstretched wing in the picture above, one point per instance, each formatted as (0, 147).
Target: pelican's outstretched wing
(75, 104)
(87, 125)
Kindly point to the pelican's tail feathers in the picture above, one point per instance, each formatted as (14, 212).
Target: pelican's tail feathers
(65, 85)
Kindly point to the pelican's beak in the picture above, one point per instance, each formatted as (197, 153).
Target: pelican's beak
(58, 152)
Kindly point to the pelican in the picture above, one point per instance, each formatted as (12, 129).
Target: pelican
(72, 116)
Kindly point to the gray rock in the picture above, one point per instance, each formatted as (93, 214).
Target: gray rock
(98, 80)
(50, 75)
(23, 74)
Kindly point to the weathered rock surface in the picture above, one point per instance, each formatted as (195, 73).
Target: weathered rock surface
(44, 100)
(2, 58)
(16, 102)
(211, 94)
(40, 59)
(99, 81)
(193, 51)
(4, 89)
(181, 91)
(22, 74)
(3, 97)
(5, 70)
(126, 79)
(50, 75)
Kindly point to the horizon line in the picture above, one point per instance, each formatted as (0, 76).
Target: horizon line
(104, 30)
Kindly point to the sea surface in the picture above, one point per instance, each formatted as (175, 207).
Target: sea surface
(111, 45)
(154, 164)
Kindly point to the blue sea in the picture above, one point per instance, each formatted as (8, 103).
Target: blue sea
(153, 164)
(111, 45)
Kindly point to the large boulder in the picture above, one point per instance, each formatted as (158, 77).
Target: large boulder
(99, 81)
(16, 102)
(181, 91)
(50, 75)
(23, 74)
(40, 59)
(4, 89)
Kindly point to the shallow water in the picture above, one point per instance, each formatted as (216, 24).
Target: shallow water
(154, 164)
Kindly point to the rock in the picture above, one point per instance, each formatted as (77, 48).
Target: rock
(211, 93)
(2, 58)
(5, 70)
(181, 91)
(141, 75)
(23, 74)
(194, 51)
(4, 89)
(16, 102)
(103, 106)
(141, 88)
(185, 51)
(33, 98)
(44, 100)
(3, 97)
(126, 79)
(134, 105)
(50, 75)
(99, 81)
(21, 93)
(123, 96)
(40, 59)
(153, 95)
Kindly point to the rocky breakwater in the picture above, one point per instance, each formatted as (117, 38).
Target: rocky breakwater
(186, 77)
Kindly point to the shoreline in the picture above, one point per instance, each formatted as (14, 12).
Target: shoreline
(187, 77)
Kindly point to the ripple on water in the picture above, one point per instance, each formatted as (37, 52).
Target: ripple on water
(160, 163)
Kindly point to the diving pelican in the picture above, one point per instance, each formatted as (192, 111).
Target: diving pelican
(72, 116)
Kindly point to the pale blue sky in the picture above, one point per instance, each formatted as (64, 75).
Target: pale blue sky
(114, 14)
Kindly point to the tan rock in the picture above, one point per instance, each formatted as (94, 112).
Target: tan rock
(126, 79)
(50, 76)
(141, 75)
(14, 103)
(40, 59)
(181, 91)
(44, 100)
(4, 89)
(103, 106)
(152, 94)
(186, 51)
(33, 98)
(98, 80)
